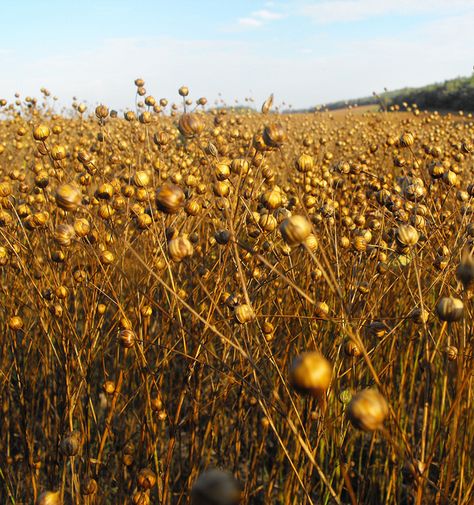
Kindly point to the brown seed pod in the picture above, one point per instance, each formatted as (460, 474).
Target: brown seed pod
(64, 234)
(352, 349)
(452, 352)
(244, 313)
(71, 444)
(190, 125)
(465, 269)
(367, 410)
(180, 248)
(127, 338)
(406, 235)
(141, 498)
(146, 478)
(68, 197)
(274, 135)
(450, 309)
(216, 487)
(170, 198)
(295, 230)
(311, 373)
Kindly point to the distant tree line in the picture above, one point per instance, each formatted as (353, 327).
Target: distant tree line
(453, 94)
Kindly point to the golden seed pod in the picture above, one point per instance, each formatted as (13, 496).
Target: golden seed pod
(82, 227)
(267, 104)
(304, 163)
(127, 338)
(465, 269)
(71, 444)
(41, 132)
(146, 478)
(183, 91)
(295, 230)
(407, 139)
(352, 349)
(311, 242)
(180, 248)
(367, 410)
(274, 135)
(407, 235)
(5, 189)
(190, 125)
(311, 373)
(141, 498)
(15, 323)
(244, 313)
(101, 111)
(452, 352)
(106, 257)
(109, 387)
(321, 310)
(450, 309)
(68, 197)
(271, 199)
(216, 487)
(64, 234)
(58, 152)
(141, 179)
(170, 198)
(49, 498)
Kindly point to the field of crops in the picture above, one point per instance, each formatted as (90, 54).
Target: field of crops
(214, 306)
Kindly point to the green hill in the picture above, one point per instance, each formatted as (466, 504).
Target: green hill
(453, 94)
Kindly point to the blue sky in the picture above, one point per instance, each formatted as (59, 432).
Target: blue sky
(305, 52)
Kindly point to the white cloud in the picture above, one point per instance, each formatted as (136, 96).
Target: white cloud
(259, 18)
(266, 15)
(249, 22)
(333, 11)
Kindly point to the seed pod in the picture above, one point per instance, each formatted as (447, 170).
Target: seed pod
(216, 487)
(71, 444)
(352, 349)
(127, 338)
(274, 135)
(295, 230)
(15, 323)
(267, 104)
(311, 373)
(452, 352)
(101, 111)
(407, 139)
(190, 125)
(271, 199)
(41, 132)
(244, 313)
(180, 248)
(170, 198)
(49, 498)
(450, 309)
(81, 227)
(465, 269)
(64, 234)
(367, 410)
(68, 197)
(406, 235)
(304, 163)
(146, 478)
(419, 316)
(58, 152)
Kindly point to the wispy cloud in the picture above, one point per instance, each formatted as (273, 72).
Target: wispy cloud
(258, 18)
(249, 22)
(333, 11)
